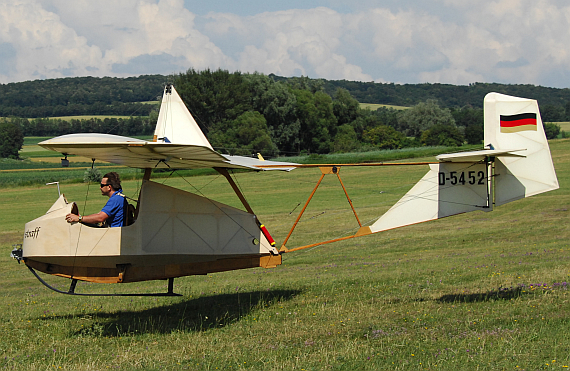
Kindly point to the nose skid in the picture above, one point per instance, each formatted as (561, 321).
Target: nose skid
(17, 252)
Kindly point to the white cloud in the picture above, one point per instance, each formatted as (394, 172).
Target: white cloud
(448, 41)
(289, 42)
(42, 45)
(131, 28)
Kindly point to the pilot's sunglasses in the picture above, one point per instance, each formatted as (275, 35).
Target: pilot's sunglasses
(104, 185)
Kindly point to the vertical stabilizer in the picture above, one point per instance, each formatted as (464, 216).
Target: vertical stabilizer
(176, 124)
(515, 123)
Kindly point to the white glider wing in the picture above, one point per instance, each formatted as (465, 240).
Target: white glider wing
(178, 144)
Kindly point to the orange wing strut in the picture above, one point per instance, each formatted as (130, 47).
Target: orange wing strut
(346, 193)
(304, 207)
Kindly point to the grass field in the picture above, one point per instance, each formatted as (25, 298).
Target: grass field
(565, 126)
(374, 106)
(87, 117)
(483, 291)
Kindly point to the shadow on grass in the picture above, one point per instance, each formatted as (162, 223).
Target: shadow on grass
(500, 294)
(204, 313)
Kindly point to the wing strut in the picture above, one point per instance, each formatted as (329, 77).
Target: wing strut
(240, 195)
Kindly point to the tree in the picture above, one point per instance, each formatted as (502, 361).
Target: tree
(318, 123)
(11, 139)
(442, 135)
(245, 135)
(472, 120)
(345, 107)
(551, 130)
(214, 97)
(384, 137)
(414, 121)
(467, 116)
(345, 139)
(277, 103)
(474, 134)
(552, 113)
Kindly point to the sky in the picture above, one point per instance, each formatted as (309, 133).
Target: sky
(400, 41)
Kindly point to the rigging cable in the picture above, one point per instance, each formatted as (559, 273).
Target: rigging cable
(240, 227)
(131, 115)
(216, 205)
(436, 187)
(81, 224)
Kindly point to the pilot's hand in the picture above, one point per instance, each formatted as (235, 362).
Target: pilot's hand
(72, 218)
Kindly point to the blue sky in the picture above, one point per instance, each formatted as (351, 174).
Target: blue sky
(435, 41)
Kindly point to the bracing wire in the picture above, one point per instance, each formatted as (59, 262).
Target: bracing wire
(424, 195)
(202, 194)
(131, 115)
(232, 174)
(80, 224)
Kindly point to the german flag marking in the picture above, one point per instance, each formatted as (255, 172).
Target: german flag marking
(516, 123)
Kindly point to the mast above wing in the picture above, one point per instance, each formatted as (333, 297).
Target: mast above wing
(175, 123)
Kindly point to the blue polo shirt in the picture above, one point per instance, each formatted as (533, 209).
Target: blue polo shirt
(115, 208)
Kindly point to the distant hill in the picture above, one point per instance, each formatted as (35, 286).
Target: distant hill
(450, 96)
(81, 96)
(123, 96)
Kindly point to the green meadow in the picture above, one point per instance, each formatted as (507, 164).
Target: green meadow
(87, 117)
(486, 291)
(565, 126)
(375, 106)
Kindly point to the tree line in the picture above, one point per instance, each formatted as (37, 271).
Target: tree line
(554, 102)
(14, 129)
(122, 96)
(81, 96)
(248, 113)
(42, 127)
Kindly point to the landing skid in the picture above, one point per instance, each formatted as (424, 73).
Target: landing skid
(71, 290)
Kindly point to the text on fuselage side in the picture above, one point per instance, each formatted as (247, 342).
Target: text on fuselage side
(33, 233)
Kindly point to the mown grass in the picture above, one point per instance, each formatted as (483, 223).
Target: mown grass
(478, 291)
(565, 126)
(375, 106)
(378, 155)
(88, 117)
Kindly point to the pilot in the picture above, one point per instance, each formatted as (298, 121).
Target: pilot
(113, 213)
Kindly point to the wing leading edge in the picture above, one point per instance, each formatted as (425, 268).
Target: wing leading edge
(142, 154)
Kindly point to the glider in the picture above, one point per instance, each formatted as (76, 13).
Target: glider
(178, 233)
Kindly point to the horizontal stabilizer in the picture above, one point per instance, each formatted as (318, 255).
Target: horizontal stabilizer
(478, 156)
(462, 182)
